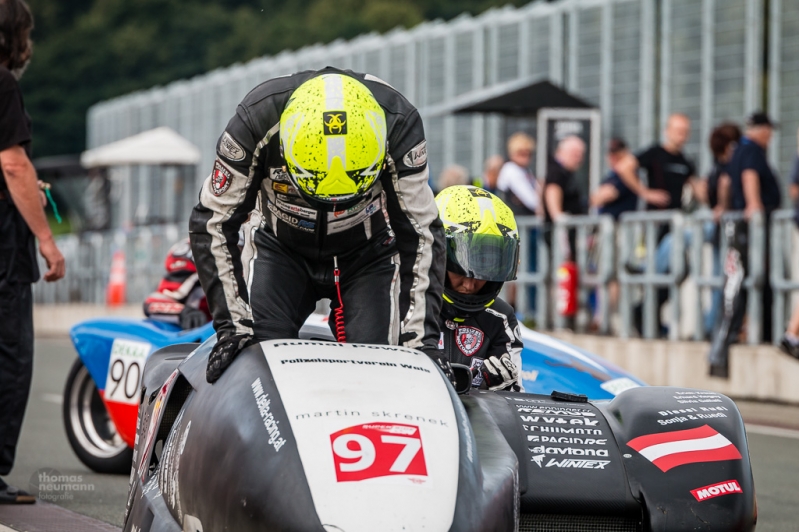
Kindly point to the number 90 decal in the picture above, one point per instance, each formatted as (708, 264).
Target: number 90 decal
(378, 450)
(125, 371)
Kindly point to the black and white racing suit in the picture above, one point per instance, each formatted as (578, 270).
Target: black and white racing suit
(471, 338)
(389, 244)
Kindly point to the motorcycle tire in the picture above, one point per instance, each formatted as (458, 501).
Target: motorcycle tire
(90, 430)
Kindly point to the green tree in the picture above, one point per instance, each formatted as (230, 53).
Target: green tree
(87, 51)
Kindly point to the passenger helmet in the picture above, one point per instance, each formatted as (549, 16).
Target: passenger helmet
(482, 243)
(333, 138)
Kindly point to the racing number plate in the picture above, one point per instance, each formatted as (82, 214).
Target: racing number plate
(125, 371)
(377, 450)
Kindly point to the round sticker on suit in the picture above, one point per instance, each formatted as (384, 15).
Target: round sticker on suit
(469, 340)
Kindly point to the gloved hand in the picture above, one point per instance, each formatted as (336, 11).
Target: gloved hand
(223, 354)
(441, 361)
(499, 373)
(191, 318)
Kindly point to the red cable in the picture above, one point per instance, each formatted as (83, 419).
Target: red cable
(341, 335)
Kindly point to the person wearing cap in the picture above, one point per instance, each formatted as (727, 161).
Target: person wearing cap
(336, 163)
(753, 184)
(754, 189)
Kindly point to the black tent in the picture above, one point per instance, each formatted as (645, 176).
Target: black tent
(525, 101)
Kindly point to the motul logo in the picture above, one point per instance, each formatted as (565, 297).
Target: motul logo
(716, 490)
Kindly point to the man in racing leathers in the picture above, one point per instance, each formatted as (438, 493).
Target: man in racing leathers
(478, 328)
(180, 298)
(336, 162)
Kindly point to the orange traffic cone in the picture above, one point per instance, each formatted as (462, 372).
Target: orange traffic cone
(117, 281)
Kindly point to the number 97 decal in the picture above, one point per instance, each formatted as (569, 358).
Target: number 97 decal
(377, 450)
(125, 371)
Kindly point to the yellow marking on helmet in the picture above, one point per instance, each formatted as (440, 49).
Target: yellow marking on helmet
(446, 298)
(459, 320)
(337, 182)
(335, 123)
(488, 226)
(490, 303)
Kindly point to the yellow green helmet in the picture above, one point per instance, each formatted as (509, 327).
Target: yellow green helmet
(482, 238)
(333, 138)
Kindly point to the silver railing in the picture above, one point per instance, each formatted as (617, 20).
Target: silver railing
(640, 238)
(626, 251)
(594, 240)
(531, 233)
(782, 257)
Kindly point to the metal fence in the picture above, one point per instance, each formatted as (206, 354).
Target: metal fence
(644, 252)
(630, 58)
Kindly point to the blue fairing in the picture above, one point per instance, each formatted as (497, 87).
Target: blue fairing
(93, 339)
(549, 364)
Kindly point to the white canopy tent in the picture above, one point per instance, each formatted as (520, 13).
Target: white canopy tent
(159, 146)
(151, 177)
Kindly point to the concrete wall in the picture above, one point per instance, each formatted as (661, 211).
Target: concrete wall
(756, 372)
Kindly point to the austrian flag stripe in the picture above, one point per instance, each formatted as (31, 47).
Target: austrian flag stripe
(671, 449)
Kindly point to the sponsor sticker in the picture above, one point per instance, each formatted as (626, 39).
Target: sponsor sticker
(123, 381)
(416, 156)
(716, 490)
(469, 340)
(375, 450)
(278, 174)
(535, 438)
(538, 460)
(220, 179)
(299, 210)
(276, 441)
(350, 222)
(553, 420)
(526, 375)
(668, 450)
(617, 386)
(562, 430)
(303, 225)
(542, 449)
(577, 464)
(230, 149)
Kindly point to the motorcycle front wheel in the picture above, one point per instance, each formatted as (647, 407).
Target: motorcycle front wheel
(90, 430)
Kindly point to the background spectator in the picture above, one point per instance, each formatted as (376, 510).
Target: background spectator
(491, 170)
(754, 188)
(793, 187)
(516, 182)
(614, 196)
(667, 167)
(22, 221)
(723, 141)
(562, 194)
(452, 175)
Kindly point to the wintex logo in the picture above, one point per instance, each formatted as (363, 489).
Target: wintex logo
(716, 490)
(577, 464)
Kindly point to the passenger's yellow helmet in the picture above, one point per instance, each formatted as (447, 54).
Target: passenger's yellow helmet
(482, 239)
(482, 242)
(333, 137)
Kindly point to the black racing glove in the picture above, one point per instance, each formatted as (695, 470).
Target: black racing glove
(223, 353)
(191, 318)
(500, 373)
(441, 361)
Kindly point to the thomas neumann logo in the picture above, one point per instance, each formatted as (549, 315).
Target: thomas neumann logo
(51, 485)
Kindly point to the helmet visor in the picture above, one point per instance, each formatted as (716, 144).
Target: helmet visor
(485, 257)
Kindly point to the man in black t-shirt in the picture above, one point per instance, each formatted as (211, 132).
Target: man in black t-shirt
(667, 167)
(562, 194)
(22, 220)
